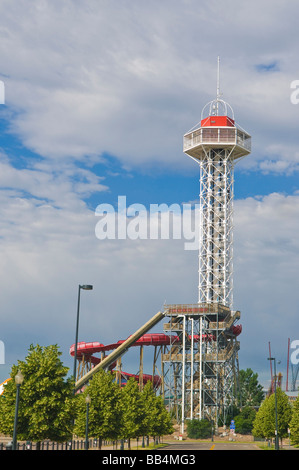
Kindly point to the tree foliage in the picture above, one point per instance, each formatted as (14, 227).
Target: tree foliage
(245, 419)
(157, 420)
(119, 413)
(132, 411)
(199, 429)
(104, 409)
(265, 423)
(46, 406)
(294, 423)
(251, 392)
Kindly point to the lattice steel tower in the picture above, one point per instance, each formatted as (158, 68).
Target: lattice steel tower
(200, 367)
(217, 144)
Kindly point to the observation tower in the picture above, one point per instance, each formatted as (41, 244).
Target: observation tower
(201, 371)
(216, 144)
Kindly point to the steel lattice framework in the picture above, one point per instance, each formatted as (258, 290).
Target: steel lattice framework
(199, 370)
(216, 230)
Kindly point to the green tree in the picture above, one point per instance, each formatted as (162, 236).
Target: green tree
(251, 392)
(199, 428)
(46, 406)
(132, 411)
(157, 420)
(264, 423)
(294, 423)
(245, 419)
(161, 419)
(104, 409)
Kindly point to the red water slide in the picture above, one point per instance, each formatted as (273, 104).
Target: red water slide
(88, 349)
(153, 339)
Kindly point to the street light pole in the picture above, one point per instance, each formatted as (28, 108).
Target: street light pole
(87, 401)
(276, 419)
(84, 287)
(19, 380)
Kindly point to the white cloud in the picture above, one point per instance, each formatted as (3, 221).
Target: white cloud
(266, 275)
(129, 79)
(61, 186)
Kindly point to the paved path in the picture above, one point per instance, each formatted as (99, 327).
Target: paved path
(194, 446)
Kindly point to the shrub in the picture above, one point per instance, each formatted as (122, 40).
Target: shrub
(244, 420)
(199, 429)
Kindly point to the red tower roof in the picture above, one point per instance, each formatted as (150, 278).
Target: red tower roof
(218, 121)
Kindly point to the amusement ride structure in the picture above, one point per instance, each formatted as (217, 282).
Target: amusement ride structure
(198, 352)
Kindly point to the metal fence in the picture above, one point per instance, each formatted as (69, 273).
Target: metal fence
(49, 445)
(79, 444)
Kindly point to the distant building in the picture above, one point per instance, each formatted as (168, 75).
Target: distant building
(292, 395)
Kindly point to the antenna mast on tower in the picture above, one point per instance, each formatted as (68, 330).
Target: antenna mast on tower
(218, 80)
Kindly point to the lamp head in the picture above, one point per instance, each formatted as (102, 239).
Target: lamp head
(87, 399)
(19, 378)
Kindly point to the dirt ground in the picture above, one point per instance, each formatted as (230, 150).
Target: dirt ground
(222, 435)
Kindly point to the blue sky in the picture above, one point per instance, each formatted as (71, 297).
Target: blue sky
(98, 96)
